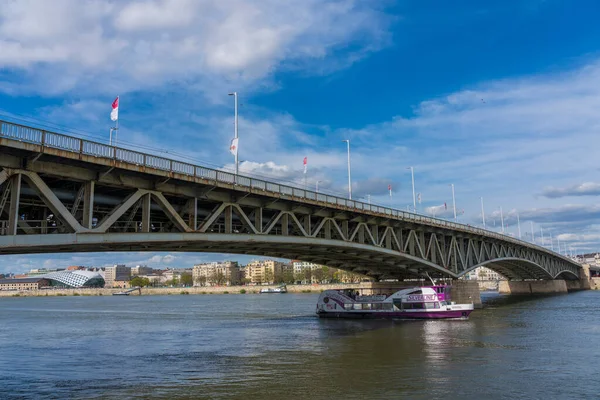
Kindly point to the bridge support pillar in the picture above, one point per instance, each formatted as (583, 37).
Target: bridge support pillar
(13, 211)
(88, 204)
(258, 219)
(585, 277)
(533, 287)
(146, 200)
(465, 292)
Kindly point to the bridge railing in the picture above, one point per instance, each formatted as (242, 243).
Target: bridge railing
(60, 141)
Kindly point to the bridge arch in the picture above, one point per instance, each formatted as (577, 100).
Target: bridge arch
(370, 260)
(567, 275)
(513, 268)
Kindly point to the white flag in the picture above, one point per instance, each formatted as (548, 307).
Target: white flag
(114, 114)
(233, 149)
(419, 197)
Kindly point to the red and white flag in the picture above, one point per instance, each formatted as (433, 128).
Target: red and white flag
(305, 164)
(114, 114)
(233, 148)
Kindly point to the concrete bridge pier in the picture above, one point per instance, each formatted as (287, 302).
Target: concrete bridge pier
(465, 292)
(547, 286)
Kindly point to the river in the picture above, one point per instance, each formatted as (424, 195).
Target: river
(273, 347)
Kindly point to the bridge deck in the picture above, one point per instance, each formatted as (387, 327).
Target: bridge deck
(64, 171)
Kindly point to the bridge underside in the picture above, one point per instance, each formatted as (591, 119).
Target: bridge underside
(378, 263)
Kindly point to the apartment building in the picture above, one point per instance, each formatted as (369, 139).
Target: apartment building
(216, 273)
(116, 274)
(263, 271)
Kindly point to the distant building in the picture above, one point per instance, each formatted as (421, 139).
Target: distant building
(210, 273)
(300, 269)
(141, 270)
(263, 271)
(116, 273)
(23, 283)
(75, 279)
(484, 274)
(41, 271)
(75, 268)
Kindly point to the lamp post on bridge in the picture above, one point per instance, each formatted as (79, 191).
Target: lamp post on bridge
(349, 179)
(502, 219)
(482, 213)
(412, 173)
(317, 188)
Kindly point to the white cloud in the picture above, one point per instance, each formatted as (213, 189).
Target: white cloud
(584, 189)
(115, 47)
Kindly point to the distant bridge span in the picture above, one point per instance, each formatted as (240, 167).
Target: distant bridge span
(63, 194)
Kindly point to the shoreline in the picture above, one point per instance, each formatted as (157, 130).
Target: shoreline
(194, 290)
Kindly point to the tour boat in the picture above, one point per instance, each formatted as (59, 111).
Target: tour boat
(430, 302)
(280, 289)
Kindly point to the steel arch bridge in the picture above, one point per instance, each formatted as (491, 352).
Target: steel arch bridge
(62, 194)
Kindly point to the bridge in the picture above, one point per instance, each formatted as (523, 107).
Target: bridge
(60, 193)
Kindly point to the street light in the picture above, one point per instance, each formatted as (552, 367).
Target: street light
(502, 219)
(235, 127)
(317, 188)
(482, 212)
(412, 172)
(349, 179)
(453, 201)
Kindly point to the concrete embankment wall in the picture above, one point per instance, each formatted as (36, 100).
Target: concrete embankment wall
(364, 286)
(533, 287)
(595, 283)
(466, 292)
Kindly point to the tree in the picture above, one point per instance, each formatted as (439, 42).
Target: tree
(201, 280)
(308, 275)
(218, 278)
(139, 281)
(269, 276)
(318, 274)
(172, 282)
(186, 279)
(287, 277)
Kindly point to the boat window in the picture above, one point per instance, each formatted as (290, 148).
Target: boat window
(432, 305)
(417, 305)
(357, 306)
(377, 306)
(387, 306)
(417, 292)
(348, 306)
(366, 306)
(406, 306)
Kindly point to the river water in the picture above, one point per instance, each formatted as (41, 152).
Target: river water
(273, 347)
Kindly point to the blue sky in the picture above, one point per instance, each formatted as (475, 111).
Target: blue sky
(501, 99)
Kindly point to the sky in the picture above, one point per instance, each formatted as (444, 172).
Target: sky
(500, 99)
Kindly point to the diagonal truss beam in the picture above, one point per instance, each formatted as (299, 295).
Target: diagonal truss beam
(52, 202)
(119, 210)
(172, 214)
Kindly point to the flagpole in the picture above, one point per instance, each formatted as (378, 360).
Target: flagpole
(519, 225)
(453, 201)
(349, 179)
(235, 128)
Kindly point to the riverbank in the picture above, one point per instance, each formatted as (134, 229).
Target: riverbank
(196, 290)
